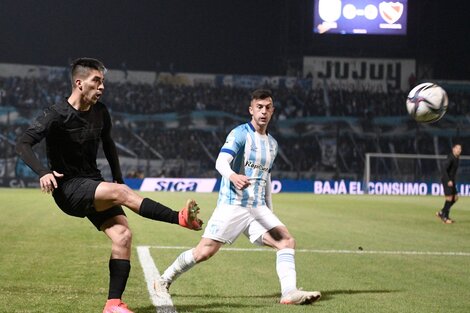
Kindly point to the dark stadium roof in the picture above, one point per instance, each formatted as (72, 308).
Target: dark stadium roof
(217, 36)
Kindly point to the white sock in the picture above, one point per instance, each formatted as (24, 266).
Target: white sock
(183, 262)
(285, 267)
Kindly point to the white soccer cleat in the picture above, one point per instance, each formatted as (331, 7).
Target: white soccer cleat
(298, 296)
(161, 285)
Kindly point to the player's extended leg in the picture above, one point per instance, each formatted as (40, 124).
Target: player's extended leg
(186, 260)
(108, 195)
(117, 229)
(280, 239)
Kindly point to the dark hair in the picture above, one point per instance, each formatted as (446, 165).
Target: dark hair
(261, 94)
(81, 66)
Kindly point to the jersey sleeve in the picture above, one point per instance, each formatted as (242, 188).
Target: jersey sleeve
(234, 141)
(109, 148)
(33, 135)
(222, 165)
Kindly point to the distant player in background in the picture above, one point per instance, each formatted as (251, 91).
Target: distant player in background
(244, 204)
(449, 173)
(73, 130)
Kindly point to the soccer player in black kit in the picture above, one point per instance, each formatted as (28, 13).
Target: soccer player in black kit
(449, 173)
(73, 130)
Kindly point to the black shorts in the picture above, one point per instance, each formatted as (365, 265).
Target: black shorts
(449, 191)
(75, 197)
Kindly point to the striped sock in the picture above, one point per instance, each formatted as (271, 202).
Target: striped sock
(285, 267)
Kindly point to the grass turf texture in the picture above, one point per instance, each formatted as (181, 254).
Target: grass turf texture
(50, 262)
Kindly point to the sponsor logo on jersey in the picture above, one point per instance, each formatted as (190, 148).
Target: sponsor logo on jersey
(255, 166)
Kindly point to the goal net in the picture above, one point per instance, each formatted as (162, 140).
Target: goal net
(395, 167)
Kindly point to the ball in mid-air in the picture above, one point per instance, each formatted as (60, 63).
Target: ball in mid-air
(427, 102)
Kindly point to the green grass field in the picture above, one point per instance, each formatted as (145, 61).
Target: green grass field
(50, 262)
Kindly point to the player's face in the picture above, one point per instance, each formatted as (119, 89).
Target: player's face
(261, 111)
(457, 150)
(92, 86)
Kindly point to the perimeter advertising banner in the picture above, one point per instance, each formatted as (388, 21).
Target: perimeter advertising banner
(178, 184)
(321, 187)
(360, 73)
(343, 187)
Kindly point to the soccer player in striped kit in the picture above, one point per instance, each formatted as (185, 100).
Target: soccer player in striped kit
(244, 204)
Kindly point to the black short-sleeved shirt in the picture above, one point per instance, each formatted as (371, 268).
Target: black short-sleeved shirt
(72, 140)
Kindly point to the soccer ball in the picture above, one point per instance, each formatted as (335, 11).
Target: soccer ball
(427, 102)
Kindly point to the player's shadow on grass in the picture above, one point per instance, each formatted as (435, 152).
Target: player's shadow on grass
(328, 295)
(144, 309)
(212, 306)
(209, 307)
(219, 296)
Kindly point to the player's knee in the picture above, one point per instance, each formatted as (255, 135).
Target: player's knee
(201, 255)
(124, 238)
(284, 243)
(288, 242)
(121, 193)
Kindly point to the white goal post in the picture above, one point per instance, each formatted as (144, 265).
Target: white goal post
(396, 165)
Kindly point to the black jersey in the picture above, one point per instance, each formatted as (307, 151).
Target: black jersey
(449, 172)
(72, 141)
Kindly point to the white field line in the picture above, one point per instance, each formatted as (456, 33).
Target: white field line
(164, 304)
(437, 253)
(162, 301)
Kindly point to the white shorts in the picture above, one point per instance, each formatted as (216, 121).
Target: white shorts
(229, 221)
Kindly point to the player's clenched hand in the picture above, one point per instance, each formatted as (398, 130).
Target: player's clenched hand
(48, 182)
(450, 183)
(240, 181)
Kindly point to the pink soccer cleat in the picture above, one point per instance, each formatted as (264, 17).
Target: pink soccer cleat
(116, 306)
(188, 216)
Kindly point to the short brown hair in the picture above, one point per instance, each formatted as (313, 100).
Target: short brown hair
(261, 94)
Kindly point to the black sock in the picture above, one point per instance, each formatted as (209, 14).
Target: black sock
(118, 273)
(157, 211)
(446, 209)
(451, 204)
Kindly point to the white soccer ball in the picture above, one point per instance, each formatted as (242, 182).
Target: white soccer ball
(427, 102)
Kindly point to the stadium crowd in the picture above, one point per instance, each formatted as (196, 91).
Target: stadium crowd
(309, 150)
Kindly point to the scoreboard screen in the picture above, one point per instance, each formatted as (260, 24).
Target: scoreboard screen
(363, 17)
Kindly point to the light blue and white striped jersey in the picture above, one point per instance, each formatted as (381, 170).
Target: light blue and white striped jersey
(253, 156)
